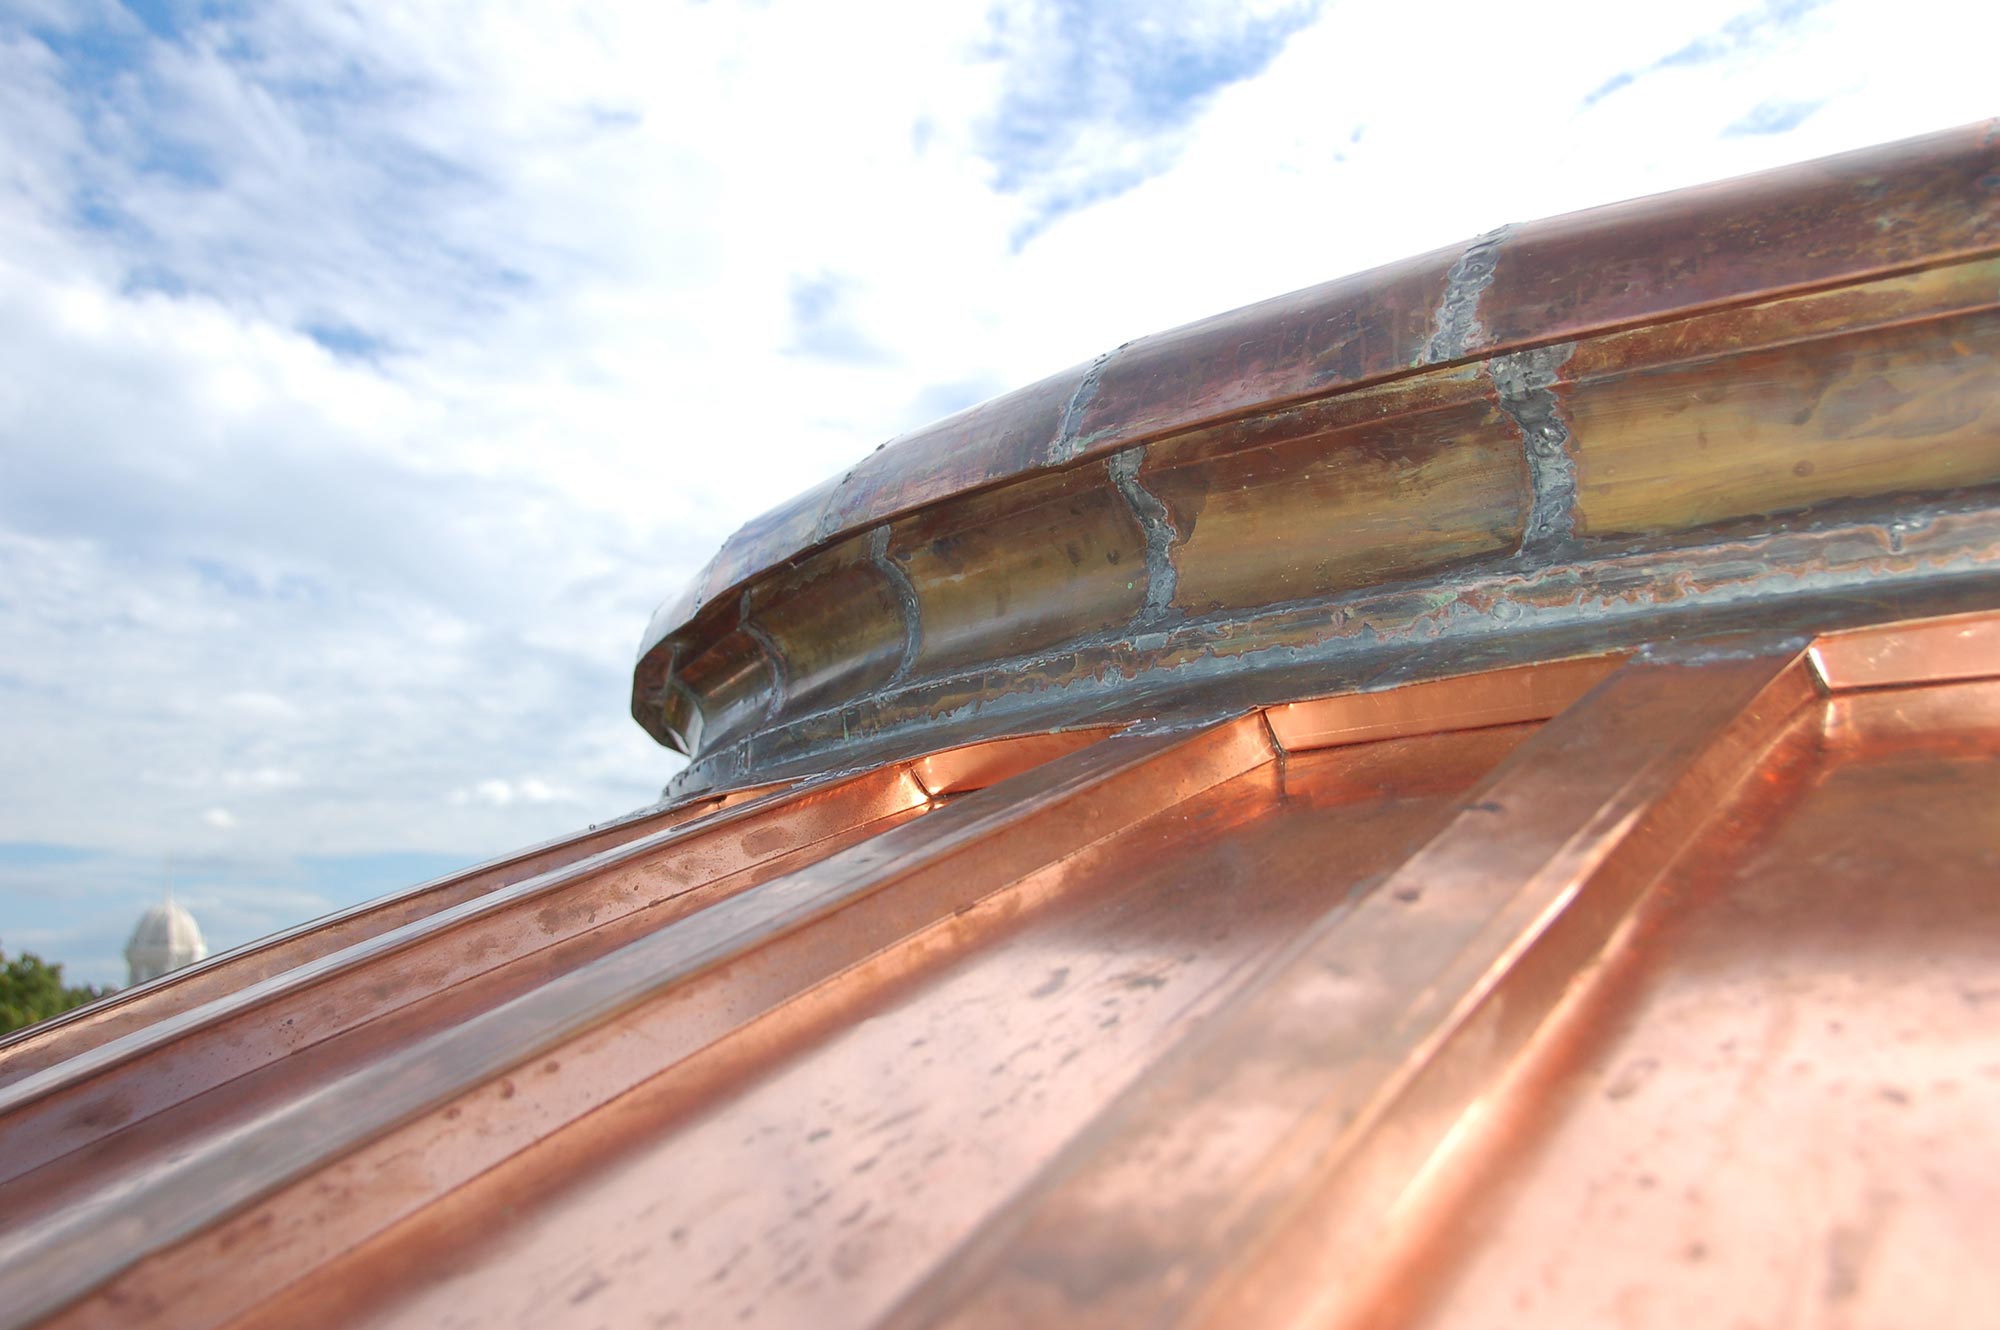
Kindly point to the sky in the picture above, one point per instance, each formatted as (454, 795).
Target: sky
(369, 371)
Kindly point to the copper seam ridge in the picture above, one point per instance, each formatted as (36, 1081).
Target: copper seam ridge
(1526, 960)
(1930, 650)
(64, 1030)
(978, 765)
(62, 1259)
(263, 947)
(1460, 702)
(1271, 735)
(417, 930)
(1507, 864)
(171, 1034)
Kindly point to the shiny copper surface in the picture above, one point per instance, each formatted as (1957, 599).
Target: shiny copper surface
(587, 1031)
(1772, 1101)
(1405, 822)
(976, 766)
(1328, 1083)
(1468, 702)
(1959, 647)
(836, 1164)
(1225, 1008)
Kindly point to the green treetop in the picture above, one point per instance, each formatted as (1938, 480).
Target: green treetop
(32, 990)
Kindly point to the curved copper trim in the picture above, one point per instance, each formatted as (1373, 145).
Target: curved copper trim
(1511, 406)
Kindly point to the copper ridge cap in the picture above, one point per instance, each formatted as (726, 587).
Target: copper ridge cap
(1827, 222)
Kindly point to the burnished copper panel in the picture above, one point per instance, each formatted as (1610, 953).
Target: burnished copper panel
(1329, 1080)
(1774, 1101)
(1326, 513)
(1015, 434)
(1246, 1022)
(832, 629)
(822, 1171)
(1878, 210)
(671, 991)
(980, 574)
(1889, 411)
(1349, 331)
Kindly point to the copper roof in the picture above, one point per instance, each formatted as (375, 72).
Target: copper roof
(1466, 796)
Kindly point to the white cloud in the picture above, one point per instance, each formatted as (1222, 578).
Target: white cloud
(262, 778)
(499, 793)
(266, 707)
(219, 818)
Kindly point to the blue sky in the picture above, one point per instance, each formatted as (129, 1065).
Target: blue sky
(367, 374)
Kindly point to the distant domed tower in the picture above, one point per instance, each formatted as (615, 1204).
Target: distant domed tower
(166, 939)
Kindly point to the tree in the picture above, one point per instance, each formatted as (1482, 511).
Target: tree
(32, 990)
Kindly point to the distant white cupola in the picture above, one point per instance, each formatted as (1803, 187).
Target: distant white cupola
(166, 939)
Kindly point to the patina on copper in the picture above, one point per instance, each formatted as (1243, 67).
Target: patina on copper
(1467, 796)
(1570, 420)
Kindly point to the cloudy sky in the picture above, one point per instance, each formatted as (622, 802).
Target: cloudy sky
(368, 371)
